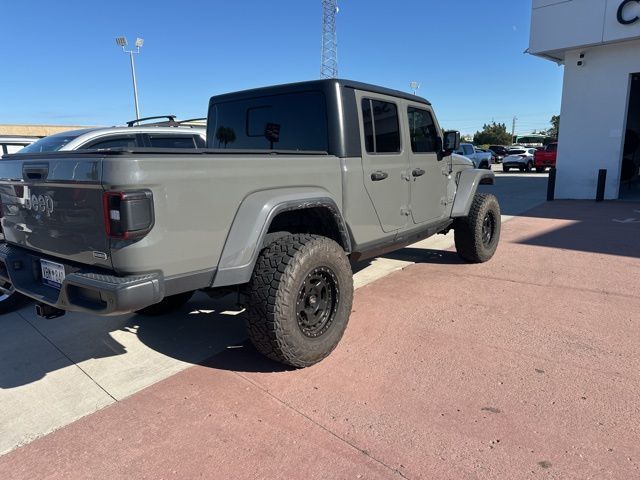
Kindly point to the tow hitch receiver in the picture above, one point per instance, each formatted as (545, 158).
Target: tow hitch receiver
(47, 311)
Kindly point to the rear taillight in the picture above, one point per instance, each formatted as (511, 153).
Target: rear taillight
(128, 214)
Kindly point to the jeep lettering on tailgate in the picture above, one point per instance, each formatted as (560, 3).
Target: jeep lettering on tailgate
(39, 203)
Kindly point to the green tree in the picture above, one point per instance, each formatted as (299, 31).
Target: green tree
(555, 126)
(493, 134)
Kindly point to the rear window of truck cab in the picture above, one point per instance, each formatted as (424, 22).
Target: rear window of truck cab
(293, 121)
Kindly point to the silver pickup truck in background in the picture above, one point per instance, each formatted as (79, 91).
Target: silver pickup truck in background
(479, 158)
(297, 182)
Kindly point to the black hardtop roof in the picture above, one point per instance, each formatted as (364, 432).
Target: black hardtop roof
(316, 85)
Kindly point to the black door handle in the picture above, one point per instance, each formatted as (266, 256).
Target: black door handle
(418, 172)
(378, 176)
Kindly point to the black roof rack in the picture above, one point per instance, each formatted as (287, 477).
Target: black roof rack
(170, 122)
(191, 120)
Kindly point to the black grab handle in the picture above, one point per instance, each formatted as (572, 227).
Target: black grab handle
(35, 171)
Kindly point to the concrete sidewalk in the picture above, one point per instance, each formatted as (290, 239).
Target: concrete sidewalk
(522, 367)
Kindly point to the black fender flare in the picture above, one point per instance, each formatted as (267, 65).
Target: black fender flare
(467, 188)
(251, 224)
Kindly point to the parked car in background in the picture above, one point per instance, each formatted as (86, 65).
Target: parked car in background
(479, 158)
(520, 158)
(499, 151)
(546, 158)
(494, 158)
(13, 143)
(133, 136)
(109, 138)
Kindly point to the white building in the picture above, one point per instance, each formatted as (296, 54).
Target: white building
(598, 41)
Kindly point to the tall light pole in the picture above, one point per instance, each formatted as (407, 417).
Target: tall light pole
(122, 42)
(415, 86)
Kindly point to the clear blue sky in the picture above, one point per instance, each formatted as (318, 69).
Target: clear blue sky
(60, 63)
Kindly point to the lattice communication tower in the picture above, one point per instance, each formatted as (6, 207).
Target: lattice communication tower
(329, 60)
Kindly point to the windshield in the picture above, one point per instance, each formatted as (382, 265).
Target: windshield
(552, 147)
(516, 152)
(49, 144)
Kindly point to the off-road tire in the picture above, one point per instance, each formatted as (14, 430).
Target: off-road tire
(540, 169)
(470, 234)
(274, 294)
(167, 304)
(505, 169)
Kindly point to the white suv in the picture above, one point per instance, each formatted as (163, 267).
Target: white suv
(154, 136)
(13, 144)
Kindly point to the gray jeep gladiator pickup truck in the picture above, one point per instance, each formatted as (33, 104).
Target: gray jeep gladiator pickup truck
(296, 183)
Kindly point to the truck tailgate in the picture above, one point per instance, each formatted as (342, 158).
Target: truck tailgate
(53, 205)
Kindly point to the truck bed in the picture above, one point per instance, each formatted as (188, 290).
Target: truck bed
(193, 194)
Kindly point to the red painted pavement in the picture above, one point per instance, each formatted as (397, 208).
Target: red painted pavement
(525, 367)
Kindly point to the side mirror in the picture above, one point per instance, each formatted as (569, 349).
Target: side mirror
(451, 141)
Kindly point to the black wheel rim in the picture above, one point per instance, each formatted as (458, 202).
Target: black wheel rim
(488, 229)
(317, 302)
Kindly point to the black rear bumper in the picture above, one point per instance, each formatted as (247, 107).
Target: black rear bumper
(84, 289)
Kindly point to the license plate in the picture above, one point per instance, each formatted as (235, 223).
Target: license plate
(52, 273)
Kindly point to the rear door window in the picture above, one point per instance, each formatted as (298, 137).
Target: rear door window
(381, 126)
(172, 141)
(123, 141)
(422, 130)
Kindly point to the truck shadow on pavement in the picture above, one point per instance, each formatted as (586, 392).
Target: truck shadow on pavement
(205, 332)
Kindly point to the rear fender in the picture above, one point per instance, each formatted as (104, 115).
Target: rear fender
(467, 188)
(251, 224)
